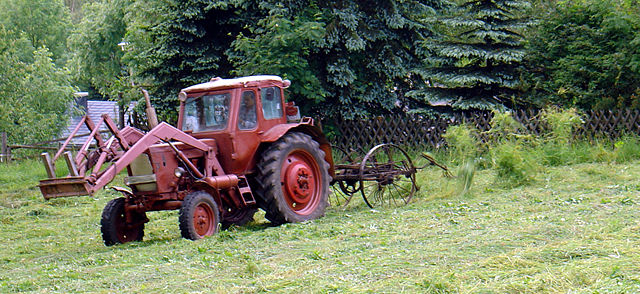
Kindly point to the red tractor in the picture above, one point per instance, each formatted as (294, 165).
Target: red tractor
(238, 146)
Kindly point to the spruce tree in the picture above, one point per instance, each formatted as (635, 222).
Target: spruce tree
(473, 65)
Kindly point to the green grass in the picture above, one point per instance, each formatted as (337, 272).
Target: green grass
(574, 229)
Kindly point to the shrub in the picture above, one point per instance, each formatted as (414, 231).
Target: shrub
(503, 127)
(585, 54)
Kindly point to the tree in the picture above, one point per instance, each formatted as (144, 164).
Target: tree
(43, 22)
(370, 52)
(284, 46)
(98, 58)
(586, 55)
(179, 43)
(474, 64)
(349, 58)
(35, 94)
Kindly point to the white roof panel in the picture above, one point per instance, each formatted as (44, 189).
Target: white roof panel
(223, 83)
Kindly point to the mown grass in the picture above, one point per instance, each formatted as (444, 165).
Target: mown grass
(573, 229)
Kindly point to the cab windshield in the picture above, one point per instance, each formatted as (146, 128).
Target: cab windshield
(206, 113)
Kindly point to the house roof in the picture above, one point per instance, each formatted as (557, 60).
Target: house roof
(95, 110)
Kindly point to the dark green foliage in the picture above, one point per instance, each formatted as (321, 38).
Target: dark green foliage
(283, 46)
(474, 63)
(586, 54)
(180, 43)
(368, 53)
(345, 57)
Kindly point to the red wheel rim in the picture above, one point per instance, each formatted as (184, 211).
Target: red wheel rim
(125, 233)
(301, 182)
(204, 220)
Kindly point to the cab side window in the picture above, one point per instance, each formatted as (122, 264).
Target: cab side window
(247, 118)
(271, 102)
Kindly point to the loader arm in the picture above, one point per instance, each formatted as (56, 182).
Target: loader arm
(162, 133)
(84, 182)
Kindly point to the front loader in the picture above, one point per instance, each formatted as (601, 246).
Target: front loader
(238, 146)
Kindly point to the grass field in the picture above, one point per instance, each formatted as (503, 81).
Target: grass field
(575, 229)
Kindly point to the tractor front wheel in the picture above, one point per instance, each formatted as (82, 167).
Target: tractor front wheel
(293, 179)
(114, 226)
(199, 216)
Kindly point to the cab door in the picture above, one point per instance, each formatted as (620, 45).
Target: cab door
(245, 132)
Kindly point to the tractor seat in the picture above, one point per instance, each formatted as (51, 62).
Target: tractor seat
(141, 177)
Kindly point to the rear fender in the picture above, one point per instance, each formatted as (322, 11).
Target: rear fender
(306, 126)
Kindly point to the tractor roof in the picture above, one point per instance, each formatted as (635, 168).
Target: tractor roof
(219, 83)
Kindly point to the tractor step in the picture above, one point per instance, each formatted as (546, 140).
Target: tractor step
(64, 187)
(245, 191)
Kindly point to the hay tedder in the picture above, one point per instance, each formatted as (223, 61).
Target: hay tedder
(238, 146)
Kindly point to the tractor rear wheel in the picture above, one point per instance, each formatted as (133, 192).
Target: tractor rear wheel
(113, 225)
(199, 216)
(293, 179)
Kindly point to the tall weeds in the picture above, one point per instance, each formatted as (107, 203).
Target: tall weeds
(518, 156)
(463, 150)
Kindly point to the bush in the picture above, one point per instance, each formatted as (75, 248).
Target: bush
(505, 127)
(561, 123)
(585, 54)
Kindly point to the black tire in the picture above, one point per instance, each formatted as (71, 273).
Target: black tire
(287, 180)
(238, 217)
(199, 216)
(114, 228)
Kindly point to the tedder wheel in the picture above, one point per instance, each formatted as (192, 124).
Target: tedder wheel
(293, 179)
(199, 216)
(113, 224)
(237, 217)
(387, 176)
(341, 191)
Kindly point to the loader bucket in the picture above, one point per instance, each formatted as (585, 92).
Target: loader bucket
(64, 187)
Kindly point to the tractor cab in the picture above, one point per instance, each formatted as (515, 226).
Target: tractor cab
(236, 113)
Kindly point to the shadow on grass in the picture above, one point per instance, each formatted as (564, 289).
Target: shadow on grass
(143, 244)
(252, 227)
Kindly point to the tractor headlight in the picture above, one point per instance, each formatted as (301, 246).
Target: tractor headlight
(178, 172)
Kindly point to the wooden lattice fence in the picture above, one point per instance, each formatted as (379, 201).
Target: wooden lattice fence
(426, 132)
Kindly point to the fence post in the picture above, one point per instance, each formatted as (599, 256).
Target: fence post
(3, 153)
